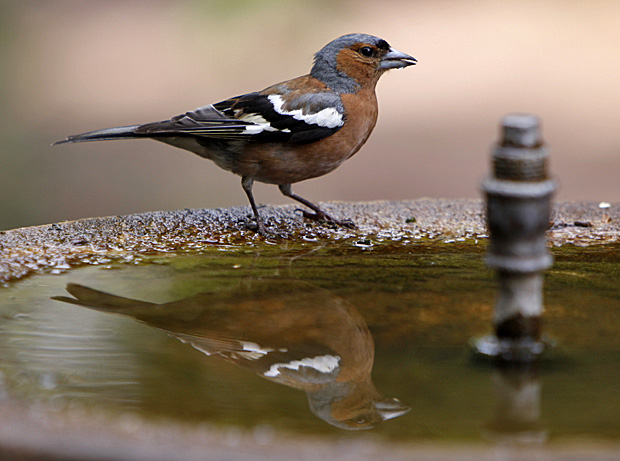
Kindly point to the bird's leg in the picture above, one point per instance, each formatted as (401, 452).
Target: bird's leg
(318, 215)
(246, 183)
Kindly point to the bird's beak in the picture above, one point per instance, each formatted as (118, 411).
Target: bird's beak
(394, 59)
(391, 408)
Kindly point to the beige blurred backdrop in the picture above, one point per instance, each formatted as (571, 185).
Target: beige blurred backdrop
(74, 66)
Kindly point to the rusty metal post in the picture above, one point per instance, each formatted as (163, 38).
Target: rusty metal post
(518, 195)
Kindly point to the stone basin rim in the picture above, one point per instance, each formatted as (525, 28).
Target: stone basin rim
(66, 244)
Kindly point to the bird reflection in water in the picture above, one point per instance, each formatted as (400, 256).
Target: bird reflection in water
(286, 331)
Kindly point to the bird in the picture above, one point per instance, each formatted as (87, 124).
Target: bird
(294, 130)
(284, 330)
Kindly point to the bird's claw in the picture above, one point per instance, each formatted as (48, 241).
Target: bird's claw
(258, 227)
(261, 229)
(321, 216)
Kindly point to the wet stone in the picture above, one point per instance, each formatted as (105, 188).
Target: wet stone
(39, 249)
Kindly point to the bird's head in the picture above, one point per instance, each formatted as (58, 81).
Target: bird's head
(354, 405)
(354, 61)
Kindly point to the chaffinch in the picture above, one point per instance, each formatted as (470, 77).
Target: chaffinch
(291, 131)
(287, 331)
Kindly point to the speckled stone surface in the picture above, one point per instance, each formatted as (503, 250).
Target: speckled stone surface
(57, 247)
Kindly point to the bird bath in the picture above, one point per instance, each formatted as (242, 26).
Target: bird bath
(391, 312)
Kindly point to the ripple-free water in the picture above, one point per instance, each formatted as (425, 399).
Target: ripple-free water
(317, 339)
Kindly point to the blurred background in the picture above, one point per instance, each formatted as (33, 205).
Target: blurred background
(74, 66)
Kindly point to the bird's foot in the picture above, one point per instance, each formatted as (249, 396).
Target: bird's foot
(321, 216)
(261, 229)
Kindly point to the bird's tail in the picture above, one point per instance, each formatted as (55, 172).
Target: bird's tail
(119, 132)
(98, 300)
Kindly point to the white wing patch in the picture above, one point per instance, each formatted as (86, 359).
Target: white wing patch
(252, 118)
(256, 129)
(328, 117)
(260, 124)
(321, 363)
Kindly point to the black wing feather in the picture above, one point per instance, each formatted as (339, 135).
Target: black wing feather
(205, 121)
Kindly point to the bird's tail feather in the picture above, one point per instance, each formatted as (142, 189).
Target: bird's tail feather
(119, 132)
(98, 300)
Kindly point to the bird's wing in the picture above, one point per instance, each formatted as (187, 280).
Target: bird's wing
(259, 117)
(206, 121)
(292, 364)
(287, 115)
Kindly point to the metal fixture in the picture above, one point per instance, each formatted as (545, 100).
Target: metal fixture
(518, 197)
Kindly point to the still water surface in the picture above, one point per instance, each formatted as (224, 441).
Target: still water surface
(318, 340)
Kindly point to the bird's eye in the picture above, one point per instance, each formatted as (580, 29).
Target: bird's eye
(366, 51)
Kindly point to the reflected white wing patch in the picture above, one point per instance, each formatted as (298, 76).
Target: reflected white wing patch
(321, 363)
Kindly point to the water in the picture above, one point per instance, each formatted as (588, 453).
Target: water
(318, 339)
